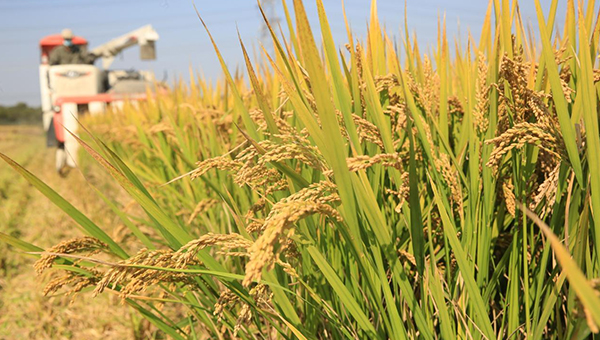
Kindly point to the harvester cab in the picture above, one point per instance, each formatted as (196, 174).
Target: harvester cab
(68, 91)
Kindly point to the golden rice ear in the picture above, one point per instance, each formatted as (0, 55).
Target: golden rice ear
(150, 268)
(74, 245)
(76, 281)
(482, 95)
(521, 134)
(276, 230)
(202, 207)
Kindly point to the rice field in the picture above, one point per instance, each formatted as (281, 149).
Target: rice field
(357, 190)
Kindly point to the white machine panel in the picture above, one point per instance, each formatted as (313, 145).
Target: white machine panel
(74, 80)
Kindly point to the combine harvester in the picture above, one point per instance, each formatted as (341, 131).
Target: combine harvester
(71, 90)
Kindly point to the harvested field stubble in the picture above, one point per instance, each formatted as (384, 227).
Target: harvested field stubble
(371, 198)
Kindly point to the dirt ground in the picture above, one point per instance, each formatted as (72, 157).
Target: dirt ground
(25, 213)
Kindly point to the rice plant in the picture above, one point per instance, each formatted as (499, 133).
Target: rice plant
(368, 192)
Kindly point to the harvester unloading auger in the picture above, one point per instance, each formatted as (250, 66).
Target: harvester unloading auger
(71, 90)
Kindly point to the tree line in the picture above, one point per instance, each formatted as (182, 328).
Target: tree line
(20, 113)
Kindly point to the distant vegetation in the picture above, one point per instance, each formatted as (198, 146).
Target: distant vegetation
(20, 113)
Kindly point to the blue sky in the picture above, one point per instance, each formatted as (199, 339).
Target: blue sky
(183, 41)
